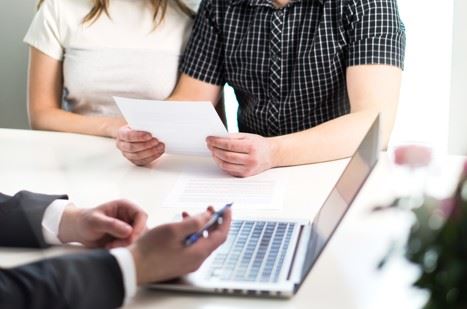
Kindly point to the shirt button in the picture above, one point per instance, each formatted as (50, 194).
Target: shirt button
(280, 13)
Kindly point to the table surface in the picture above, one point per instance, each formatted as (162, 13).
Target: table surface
(91, 171)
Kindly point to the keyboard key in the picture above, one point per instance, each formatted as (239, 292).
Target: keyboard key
(254, 251)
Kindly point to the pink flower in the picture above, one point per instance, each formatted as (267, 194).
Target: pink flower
(448, 207)
(414, 156)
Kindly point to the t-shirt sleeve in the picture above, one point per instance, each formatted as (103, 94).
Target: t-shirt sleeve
(44, 32)
(203, 56)
(375, 32)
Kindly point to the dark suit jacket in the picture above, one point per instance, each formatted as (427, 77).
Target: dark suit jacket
(91, 279)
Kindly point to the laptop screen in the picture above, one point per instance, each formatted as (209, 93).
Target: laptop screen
(342, 196)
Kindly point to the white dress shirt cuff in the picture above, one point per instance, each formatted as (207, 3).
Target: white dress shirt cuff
(127, 265)
(51, 221)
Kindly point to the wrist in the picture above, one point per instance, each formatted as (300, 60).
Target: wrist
(137, 258)
(274, 148)
(68, 227)
(111, 126)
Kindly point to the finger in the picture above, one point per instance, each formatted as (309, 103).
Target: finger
(192, 224)
(118, 243)
(221, 231)
(233, 169)
(147, 161)
(139, 225)
(231, 157)
(113, 226)
(230, 144)
(222, 228)
(129, 213)
(233, 136)
(137, 146)
(127, 134)
(145, 155)
(218, 234)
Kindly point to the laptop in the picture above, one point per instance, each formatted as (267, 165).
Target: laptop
(272, 258)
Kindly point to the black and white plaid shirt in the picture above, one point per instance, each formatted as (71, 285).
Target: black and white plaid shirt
(288, 66)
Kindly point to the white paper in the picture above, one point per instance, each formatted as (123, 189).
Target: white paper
(181, 126)
(198, 189)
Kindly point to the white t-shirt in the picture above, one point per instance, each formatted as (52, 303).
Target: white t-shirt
(123, 55)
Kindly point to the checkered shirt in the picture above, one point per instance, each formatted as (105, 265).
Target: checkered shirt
(288, 65)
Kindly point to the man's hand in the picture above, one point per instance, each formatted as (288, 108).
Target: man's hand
(139, 147)
(161, 254)
(113, 224)
(242, 155)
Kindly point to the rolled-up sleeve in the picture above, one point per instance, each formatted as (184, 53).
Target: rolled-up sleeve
(203, 56)
(375, 33)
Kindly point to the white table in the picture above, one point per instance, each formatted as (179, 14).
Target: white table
(91, 170)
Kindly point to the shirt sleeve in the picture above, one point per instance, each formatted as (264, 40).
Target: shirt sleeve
(203, 56)
(51, 221)
(127, 266)
(375, 32)
(44, 31)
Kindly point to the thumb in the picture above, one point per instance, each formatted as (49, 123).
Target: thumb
(193, 224)
(113, 227)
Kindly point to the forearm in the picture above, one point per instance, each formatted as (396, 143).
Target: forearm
(191, 89)
(54, 119)
(90, 279)
(372, 89)
(332, 140)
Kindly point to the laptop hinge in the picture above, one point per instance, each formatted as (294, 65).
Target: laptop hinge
(296, 266)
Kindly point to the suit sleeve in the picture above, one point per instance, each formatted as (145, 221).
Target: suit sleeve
(21, 219)
(91, 279)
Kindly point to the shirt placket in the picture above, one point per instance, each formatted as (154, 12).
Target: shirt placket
(275, 75)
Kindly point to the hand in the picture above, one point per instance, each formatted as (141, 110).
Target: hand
(113, 224)
(242, 154)
(139, 147)
(161, 254)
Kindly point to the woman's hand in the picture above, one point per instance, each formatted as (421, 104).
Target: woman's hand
(139, 147)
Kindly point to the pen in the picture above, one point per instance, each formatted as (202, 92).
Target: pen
(215, 219)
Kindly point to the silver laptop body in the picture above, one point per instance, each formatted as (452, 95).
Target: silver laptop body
(273, 257)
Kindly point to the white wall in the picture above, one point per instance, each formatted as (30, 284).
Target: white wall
(458, 111)
(15, 17)
(424, 105)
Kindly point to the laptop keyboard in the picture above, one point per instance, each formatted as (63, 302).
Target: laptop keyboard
(254, 251)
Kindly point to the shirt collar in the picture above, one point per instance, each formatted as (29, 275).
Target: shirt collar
(267, 3)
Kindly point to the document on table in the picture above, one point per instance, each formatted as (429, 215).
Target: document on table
(198, 190)
(181, 126)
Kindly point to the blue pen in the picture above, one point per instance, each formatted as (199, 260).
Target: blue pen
(215, 219)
